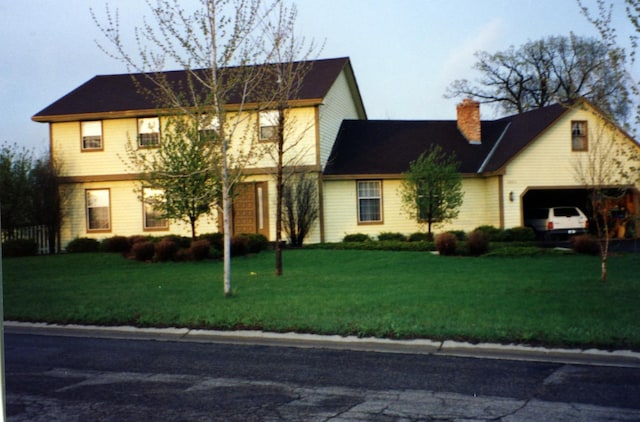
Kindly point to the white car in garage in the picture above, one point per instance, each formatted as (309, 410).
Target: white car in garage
(557, 221)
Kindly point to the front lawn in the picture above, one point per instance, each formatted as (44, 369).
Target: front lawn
(555, 300)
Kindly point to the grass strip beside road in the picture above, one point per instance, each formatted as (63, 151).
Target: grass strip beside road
(550, 300)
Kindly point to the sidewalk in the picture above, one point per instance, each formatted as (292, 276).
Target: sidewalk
(624, 358)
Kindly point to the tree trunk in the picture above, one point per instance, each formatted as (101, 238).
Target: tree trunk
(279, 193)
(226, 213)
(193, 228)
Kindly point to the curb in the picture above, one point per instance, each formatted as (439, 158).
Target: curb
(624, 358)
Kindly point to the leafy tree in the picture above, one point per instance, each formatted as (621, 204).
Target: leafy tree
(182, 169)
(15, 187)
(609, 167)
(215, 45)
(549, 70)
(431, 190)
(300, 207)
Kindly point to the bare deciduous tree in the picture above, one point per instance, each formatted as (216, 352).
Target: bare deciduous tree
(608, 167)
(549, 70)
(289, 64)
(300, 207)
(217, 46)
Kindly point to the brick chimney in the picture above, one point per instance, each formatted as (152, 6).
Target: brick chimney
(469, 120)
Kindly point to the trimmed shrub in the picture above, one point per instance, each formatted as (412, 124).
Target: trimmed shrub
(215, 239)
(199, 249)
(83, 245)
(143, 250)
(459, 234)
(183, 242)
(493, 234)
(166, 249)
(585, 244)
(256, 242)
(520, 234)
(420, 237)
(116, 244)
(356, 237)
(239, 245)
(446, 243)
(478, 242)
(19, 247)
(398, 237)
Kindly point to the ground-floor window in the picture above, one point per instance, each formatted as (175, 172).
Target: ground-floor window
(369, 201)
(98, 209)
(153, 215)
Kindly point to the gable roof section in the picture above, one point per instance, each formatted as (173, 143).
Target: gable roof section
(116, 95)
(386, 147)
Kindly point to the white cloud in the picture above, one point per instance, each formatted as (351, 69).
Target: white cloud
(487, 38)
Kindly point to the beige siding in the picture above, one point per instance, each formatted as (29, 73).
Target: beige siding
(337, 106)
(300, 140)
(340, 199)
(548, 162)
(111, 159)
(126, 214)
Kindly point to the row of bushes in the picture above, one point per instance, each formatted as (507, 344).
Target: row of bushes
(493, 234)
(170, 248)
(475, 243)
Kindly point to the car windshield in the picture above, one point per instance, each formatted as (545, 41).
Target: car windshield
(565, 212)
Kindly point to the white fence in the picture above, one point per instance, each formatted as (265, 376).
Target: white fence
(39, 234)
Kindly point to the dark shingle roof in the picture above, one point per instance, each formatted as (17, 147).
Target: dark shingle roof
(371, 147)
(118, 93)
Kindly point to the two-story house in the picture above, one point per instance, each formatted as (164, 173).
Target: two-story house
(91, 127)
(508, 165)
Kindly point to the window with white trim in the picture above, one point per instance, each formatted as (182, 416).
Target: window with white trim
(153, 216)
(369, 201)
(148, 132)
(91, 135)
(209, 127)
(268, 122)
(98, 209)
(579, 138)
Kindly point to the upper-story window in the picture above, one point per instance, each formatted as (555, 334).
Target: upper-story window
(579, 138)
(148, 132)
(268, 121)
(91, 135)
(369, 201)
(209, 127)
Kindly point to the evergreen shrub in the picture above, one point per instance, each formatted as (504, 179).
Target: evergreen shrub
(83, 245)
(385, 236)
(356, 237)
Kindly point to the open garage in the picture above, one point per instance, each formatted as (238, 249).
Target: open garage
(623, 205)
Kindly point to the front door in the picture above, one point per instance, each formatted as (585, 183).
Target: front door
(250, 209)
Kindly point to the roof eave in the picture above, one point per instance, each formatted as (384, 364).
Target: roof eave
(57, 118)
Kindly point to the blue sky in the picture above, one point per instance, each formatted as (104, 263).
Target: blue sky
(404, 52)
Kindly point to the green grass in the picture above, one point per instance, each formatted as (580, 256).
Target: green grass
(555, 300)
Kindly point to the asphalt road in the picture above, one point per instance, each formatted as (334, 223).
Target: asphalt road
(61, 378)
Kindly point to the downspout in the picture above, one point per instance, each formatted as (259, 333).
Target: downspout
(500, 177)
